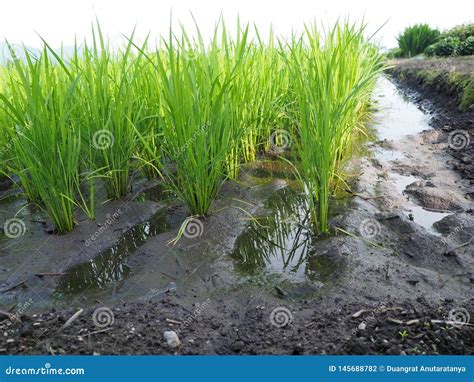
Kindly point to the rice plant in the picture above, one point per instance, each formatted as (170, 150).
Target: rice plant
(334, 75)
(45, 138)
(197, 127)
(148, 92)
(190, 110)
(109, 112)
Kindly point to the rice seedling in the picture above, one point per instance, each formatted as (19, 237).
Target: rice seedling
(190, 110)
(109, 112)
(197, 127)
(261, 96)
(45, 139)
(333, 80)
(148, 90)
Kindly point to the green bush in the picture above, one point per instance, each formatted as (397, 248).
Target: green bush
(466, 48)
(462, 32)
(457, 41)
(394, 53)
(416, 38)
(448, 46)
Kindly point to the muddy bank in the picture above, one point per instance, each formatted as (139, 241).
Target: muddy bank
(448, 79)
(252, 278)
(444, 88)
(217, 327)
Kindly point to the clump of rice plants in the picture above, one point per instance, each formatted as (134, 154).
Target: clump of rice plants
(45, 138)
(148, 92)
(334, 75)
(197, 129)
(190, 110)
(416, 38)
(263, 86)
(109, 112)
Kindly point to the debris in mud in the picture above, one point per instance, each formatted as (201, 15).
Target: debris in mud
(172, 339)
(140, 328)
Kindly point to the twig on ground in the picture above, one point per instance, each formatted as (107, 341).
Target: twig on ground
(96, 332)
(72, 319)
(173, 321)
(13, 286)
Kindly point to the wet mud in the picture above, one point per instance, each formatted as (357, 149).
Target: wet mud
(252, 278)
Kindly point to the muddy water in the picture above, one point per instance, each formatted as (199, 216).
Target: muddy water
(397, 116)
(110, 266)
(281, 243)
(275, 244)
(420, 215)
(397, 119)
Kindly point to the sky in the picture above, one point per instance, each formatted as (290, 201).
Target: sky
(60, 21)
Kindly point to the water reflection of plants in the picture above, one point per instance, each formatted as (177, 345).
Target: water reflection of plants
(281, 238)
(111, 265)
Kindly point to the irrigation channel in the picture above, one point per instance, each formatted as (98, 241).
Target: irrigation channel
(396, 233)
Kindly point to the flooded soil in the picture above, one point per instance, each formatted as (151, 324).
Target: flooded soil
(251, 277)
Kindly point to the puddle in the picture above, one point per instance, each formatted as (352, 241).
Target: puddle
(387, 155)
(397, 116)
(111, 265)
(269, 169)
(420, 216)
(280, 244)
(427, 218)
(155, 194)
(401, 182)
